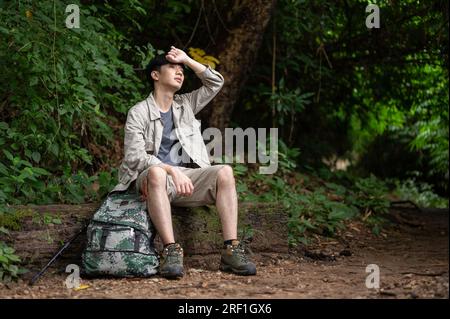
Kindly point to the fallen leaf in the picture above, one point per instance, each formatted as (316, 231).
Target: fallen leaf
(81, 287)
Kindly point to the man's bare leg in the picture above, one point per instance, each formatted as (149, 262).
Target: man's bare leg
(159, 205)
(233, 258)
(227, 202)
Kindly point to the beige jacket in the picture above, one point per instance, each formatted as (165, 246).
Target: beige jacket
(143, 129)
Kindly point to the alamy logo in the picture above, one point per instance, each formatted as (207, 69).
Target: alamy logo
(373, 19)
(73, 19)
(373, 279)
(241, 146)
(73, 280)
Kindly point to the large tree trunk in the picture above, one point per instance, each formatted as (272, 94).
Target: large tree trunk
(197, 229)
(246, 22)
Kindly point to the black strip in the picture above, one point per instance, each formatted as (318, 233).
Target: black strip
(92, 236)
(153, 232)
(105, 233)
(137, 241)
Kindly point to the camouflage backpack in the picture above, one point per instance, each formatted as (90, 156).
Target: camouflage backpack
(120, 239)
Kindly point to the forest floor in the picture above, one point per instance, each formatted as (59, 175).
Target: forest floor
(412, 256)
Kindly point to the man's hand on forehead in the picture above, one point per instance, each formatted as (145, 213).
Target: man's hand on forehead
(176, 55)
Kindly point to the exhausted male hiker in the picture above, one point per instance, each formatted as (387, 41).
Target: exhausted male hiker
(155, 130)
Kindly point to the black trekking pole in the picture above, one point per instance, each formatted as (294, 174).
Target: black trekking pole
(60, 251)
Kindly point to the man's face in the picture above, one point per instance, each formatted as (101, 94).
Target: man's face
(171, 75)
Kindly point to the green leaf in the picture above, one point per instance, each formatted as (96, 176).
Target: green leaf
(41, 171)
(4, 126)
(376, 230)
(4, 30)
(8, 155)
(8, 250)
(54, 148)
(13, 269)
(340, 211)
(56, 221)
(34, 80)
(36, 156)
(3, 169)
(81, 80)
(14, 258)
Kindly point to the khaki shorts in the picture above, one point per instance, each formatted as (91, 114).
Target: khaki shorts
(203, 179)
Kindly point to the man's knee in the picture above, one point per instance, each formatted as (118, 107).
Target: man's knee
(225, 175)
(156, 177)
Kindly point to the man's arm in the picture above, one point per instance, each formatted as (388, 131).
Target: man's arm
(179, 56)
(211, 79)
(195, 66)
(212, 83)
(183, 184)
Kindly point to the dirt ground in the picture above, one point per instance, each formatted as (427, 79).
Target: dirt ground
(412, 256)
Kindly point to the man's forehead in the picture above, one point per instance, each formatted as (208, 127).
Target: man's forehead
(180, 66)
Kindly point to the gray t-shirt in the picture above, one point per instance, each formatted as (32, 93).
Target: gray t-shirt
(169, 139)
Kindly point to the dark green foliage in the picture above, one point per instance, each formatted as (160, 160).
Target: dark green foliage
(63, 90)
(366, 84)
(9, 270)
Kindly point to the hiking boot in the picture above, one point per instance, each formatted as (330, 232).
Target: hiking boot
(235, 260)
(171, 263)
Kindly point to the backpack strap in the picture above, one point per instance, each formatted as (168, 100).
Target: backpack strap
(105, 233)
(137, 240)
